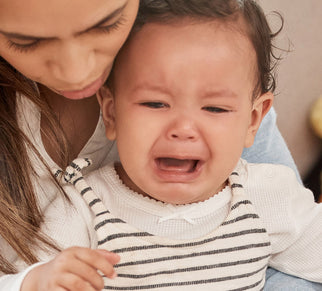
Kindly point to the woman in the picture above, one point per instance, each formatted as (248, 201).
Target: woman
(55, 55)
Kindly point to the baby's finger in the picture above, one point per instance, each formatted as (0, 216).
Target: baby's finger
(86, 273)
(113, 258)
(99, 260)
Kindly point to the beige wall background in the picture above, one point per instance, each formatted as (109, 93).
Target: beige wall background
(299, 75)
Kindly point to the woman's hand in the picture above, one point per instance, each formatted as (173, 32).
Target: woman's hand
(74, 269)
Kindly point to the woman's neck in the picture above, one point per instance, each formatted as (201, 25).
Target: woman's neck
(78, 119)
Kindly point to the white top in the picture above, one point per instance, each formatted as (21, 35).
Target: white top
(292, 220)
(231, 256)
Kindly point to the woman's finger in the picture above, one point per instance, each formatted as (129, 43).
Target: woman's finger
(72, 282)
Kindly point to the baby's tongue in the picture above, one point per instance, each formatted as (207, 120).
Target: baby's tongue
(170, 164)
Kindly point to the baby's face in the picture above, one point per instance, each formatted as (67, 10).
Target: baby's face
(183, 109)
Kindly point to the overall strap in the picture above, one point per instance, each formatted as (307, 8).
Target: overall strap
(73, 175)
(238, 191)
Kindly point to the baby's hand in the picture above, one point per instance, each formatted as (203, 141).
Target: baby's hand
(74, 269)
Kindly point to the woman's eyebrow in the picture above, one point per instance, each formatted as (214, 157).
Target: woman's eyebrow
(23, 36)
(33, 37)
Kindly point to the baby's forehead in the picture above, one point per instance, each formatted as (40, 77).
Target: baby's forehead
(158, 50)
(151, 30)
(160, 34)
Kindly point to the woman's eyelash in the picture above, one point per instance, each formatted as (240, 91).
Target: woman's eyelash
(23, 47)
(28, 47)
(111, 27)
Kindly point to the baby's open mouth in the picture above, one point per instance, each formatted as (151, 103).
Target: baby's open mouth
(177, 165)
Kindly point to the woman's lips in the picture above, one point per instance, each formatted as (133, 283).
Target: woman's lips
(88, 91)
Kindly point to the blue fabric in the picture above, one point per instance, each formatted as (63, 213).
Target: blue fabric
(278, 281)
(270, 147)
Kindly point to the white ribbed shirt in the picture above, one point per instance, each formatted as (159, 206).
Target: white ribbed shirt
(288, 212)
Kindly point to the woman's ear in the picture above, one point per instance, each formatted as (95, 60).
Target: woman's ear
(261, 106)
(106, 101)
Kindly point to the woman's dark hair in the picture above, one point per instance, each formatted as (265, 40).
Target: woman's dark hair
(20, 214)
(257, 27)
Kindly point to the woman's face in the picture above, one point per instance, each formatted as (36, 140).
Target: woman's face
(68, 46)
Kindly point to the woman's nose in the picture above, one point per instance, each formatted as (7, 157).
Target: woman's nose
(72, 64)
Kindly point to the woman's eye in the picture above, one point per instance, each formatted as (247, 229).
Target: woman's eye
(23, 46)
(110, 27)
(155, 105)
(214, 109)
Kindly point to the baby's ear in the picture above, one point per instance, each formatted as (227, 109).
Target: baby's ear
(261, 106)
(106, 101)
